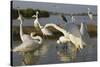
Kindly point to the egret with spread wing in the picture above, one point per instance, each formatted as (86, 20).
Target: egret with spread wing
(70, 34)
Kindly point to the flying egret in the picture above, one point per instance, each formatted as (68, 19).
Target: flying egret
(38, 27)
(29, 42)
(71, 34)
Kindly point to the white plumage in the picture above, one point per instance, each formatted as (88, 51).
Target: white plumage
(38, 27)
(29, 42)
(71, 34)
(90, 14)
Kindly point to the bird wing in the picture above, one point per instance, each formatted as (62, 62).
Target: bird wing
(27, 46)
(84, 33)
(74, 34)
(26, 37)
(46, 31)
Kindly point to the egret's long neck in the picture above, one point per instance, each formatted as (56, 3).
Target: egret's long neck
(38, 38)
(21, 30)
(88, 12)
(58, 28)
(36, 16)
(90, 15)
(81, 28)
(37, 19)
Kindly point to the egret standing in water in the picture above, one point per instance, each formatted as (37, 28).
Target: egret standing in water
(29, 42)
(90, 14)
(84, 33)
(38, 27)
(83, 29)
(73, 19)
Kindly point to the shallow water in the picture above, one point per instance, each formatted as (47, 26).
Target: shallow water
(49, 53)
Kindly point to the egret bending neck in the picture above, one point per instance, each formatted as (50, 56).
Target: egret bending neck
(65, 33)
(38, 38)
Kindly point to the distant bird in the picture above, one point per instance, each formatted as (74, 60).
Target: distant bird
(70, 34)
(73, 19)
(90, 14)
(83, 30)
(84, 33)
(29, 42)
(38, 27)
(63, 18)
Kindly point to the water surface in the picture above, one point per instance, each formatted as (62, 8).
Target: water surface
(48, 54)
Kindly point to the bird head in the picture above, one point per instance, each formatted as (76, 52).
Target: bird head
(37, 12)
(20, 17)
(88, 10)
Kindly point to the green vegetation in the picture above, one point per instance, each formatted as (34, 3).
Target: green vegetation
(27, 13)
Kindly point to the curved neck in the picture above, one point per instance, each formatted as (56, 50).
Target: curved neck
(37, 20)
(37, 38)
(21, 30)
(65, 33)
(36, 16)
(88, 11)
(81, 28)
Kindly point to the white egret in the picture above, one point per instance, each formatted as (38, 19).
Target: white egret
(24, 37)
(83, 29)
(71, 34)
(29, 42)
(73, 19)
(90, 14)
(29, 45)
(36, 22)
(84, 33)
(38, 27)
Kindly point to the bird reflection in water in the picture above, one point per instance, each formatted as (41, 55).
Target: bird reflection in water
(66, 52)
(32, 57)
